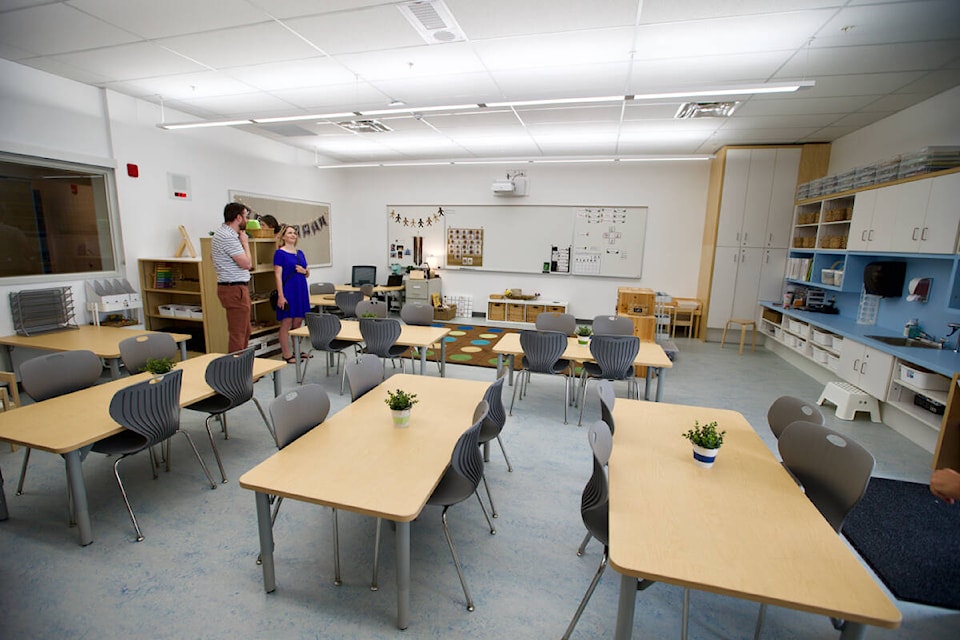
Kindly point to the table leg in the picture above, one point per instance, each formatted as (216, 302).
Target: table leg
(296, 357)
(628, 602)
(853, 631)
(660, 373)
(403, 574)
(648, 380)
(114, 364)
(3, 501)
(277, 387)
(499, 364)
(79, 492)
(423, 360)
(265, 527)
(443, 359)
(183, 349)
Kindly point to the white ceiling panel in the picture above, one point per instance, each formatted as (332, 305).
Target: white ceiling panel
(288, 58)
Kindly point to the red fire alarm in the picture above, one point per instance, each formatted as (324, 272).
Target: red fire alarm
(133, 170)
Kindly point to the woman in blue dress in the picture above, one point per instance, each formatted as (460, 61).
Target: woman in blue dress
(293, 299)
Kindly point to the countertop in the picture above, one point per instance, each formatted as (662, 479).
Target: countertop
(943, 361)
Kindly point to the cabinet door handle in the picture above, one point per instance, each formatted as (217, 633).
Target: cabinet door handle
(863, 236)
(916, 230)
(736, 257)
(863, 366)
(766, 257)
(738, 236)
(870, 236)
(771, 238)
(745, 234)
(856, 365)
(923, 235)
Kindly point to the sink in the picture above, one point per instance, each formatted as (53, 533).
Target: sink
(896, 341)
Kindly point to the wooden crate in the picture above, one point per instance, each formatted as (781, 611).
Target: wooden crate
(533, 310)
(550, 308)
(497, 311)
(635, 301)
(516, 312)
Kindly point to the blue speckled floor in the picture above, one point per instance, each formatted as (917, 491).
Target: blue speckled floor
(194, 576)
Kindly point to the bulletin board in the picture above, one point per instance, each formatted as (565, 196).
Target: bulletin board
(312, 220)
(594, 241)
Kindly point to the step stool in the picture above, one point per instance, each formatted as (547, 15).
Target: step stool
(850, 399)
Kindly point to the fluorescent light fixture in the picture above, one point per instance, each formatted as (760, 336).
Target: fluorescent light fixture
(317, 116)
(530, 103)
(206, 123)
(515, 161)
(449, 107)
(773, 87)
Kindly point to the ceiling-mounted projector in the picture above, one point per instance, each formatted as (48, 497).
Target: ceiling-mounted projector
(516, 186)
(503, 186)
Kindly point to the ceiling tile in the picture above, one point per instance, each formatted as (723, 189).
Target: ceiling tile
(64, 28)
(258, 44)
(152, 19)
(130, 61)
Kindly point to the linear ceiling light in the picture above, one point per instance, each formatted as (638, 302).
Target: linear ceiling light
(507, 161)
(316, 116)
(206, 123)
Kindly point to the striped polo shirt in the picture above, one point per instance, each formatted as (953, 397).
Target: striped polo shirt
(224, 245)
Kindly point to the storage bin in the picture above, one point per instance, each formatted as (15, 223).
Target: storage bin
(833, 362)
(822, 338)
(797, 327)
(445, 313)
(515, 312)
(923, 378)
(819, 355)
(167, 310)
(497, 311)
(194, 312)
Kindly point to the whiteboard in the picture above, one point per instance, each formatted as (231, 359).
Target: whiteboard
(596, 241)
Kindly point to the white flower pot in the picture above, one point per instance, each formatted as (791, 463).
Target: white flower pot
(584, 340)
(704, 457)
(401, 418)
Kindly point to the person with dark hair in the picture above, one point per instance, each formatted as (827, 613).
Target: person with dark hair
(232, 261)
(268, 220)
(293, 300)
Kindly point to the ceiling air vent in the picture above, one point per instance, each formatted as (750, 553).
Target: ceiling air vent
(364, 126)
(706, 110)
(433, 21)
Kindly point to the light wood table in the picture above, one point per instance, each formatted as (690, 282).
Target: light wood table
(742, 529)
(103, 341)
(67, 423)
(651, 355)
(379, 288)
(411, 335)
(358, 461)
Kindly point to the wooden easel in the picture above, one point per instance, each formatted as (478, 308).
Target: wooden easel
(185, 244)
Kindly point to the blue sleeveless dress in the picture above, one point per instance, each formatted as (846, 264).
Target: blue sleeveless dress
(295, 288)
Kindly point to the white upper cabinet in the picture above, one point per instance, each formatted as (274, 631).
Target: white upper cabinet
(938, 234)
(736, 171)
(780, 218)
(756, 208)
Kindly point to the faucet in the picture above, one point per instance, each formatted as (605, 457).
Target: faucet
(953, 326)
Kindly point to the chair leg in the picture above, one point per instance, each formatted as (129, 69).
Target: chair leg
(223, 425)
(213, 444)
(512, 397)
(203, 465)
(456, 560)
(566, 396)
(493, 509)
(23, 470)
(588, 594)
(484, 509)
(760, 617)
(583, 401)
(504, 452)
(263, 414)
(583, 545)
(336, 550)
(133, 518)
(685, 614)
(376, 557)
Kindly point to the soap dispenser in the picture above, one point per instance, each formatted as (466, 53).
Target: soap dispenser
(912, 328)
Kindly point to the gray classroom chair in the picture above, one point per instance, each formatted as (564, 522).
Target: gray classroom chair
(565, 323)
(492, 428)
(612, 326)
(135, 351)
(322, 288)
(833, 470)
(786, 410)
(347, 302)
(380, 338)
(56, 374)
(614, 357)
(541, 354)
(419, 314)
(363, 374)
(324, 329)
(376, 307)
(149, 412)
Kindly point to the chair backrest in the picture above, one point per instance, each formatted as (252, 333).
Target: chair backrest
(607, 400)
(379, 334)
(496, 414)
(320, 288)
(565, 323)
(367, 289)
(542, 349)
(615, 355)
(363, 274)
(378, 307)
(298, 411)
(56, 374)
(463, 475)
(347, 302)
(612, 326)
(232, 376)
(150, 408)
(323, 328)
(363, 374)
(833, 469)
(135, 351)
(417, 313)
(786, 410)
(595, 499)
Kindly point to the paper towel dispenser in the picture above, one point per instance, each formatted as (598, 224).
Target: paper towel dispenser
(885, 278)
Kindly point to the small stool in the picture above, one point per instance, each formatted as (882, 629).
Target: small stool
(850, 399)
(744, 323)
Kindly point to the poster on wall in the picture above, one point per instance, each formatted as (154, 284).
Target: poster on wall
(311, 219)
(465, 247)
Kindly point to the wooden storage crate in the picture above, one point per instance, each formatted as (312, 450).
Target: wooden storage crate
(635, 301)
(533, 310)
(515, 312)
(550, 308)
(497, 311)
(445, 313)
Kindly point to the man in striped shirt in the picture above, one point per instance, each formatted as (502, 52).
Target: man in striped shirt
(232, 261)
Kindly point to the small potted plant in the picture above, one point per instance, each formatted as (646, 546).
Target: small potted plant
(158, 366)
(400, 403)
(706, 442)
(583, 334)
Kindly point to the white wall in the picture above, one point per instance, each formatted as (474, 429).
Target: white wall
(930, 123)
(675, 193)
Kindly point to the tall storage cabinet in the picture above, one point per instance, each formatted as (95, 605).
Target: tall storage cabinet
(263, 318)
(171, 291)
(753, 230)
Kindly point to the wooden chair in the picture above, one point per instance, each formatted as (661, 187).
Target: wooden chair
(686, 313)
(744, 324)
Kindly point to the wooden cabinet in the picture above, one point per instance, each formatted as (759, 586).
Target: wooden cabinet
(865, 367)
(506, 310)
(171, 291)
(263, 318)
(948, 442)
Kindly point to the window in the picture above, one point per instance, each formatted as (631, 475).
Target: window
(55, 218)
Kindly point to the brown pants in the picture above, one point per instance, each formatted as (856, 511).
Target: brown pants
(236, 300)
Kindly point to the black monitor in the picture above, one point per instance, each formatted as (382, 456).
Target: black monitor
(363, 274)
